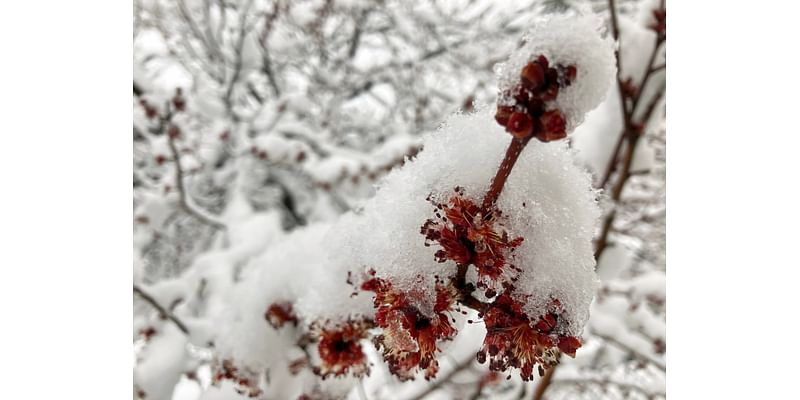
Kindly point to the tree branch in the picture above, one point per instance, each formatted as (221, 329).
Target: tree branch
(607, 382)
(438, 384)
(161, 310)
(183, 197)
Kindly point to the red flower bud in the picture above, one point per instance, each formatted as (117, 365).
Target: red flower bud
(173, 132)
(520, 125)
(551, 92)
(543, 61)
(554, 126)
(503, 114)
(532, 75)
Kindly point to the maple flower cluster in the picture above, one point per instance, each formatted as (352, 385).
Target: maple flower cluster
(521, 257)
(409, 338)
(527, 110)
(513, 340)
(468, 235)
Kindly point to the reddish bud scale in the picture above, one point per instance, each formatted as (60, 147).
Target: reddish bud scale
(538, 87)
(554, 126)
(520, 125)
(503, 114)
(532, 76)
(513, 341)
(409, 338)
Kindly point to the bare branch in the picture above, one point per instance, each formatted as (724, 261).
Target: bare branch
(180, 183)
(161, 309)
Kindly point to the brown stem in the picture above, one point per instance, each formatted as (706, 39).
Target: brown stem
(612, 163)
(512, 154)
(544, 383)
(648, 74)
(495, 188)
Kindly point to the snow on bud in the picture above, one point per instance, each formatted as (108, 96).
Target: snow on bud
(565, 62)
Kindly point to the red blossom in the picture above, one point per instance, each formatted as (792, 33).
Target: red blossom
(409, 338)
(467, 235)
(659, 24)
(147, 332)
(532, 112)
(246, 381)
(340, 351)
(513, 340)
(149, 111)
(178, 101)
(279, 314)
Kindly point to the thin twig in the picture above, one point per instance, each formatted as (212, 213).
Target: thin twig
(606, 382)
(438, 384)
(636, 353)
(161, 309)
(181, 186)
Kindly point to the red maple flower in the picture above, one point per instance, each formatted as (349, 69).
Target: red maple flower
(531, 112)
(468, 235)
(513, 340)
(409, 338)
(659, 24)
(279, 314)
(246, 381)
(340, 351)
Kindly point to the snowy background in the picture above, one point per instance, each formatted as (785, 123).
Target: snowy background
(261, 129)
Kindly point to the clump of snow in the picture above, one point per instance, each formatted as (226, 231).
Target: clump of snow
(295, 271)
(161, 363)
(567, 40)
(548, 200)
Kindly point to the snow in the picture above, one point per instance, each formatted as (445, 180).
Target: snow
(294, 270)
(568, 40)
(162, 363)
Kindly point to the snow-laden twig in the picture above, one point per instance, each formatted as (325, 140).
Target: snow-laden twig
(183, 196)
(635, 353)
(608, 382)
(161, 309)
